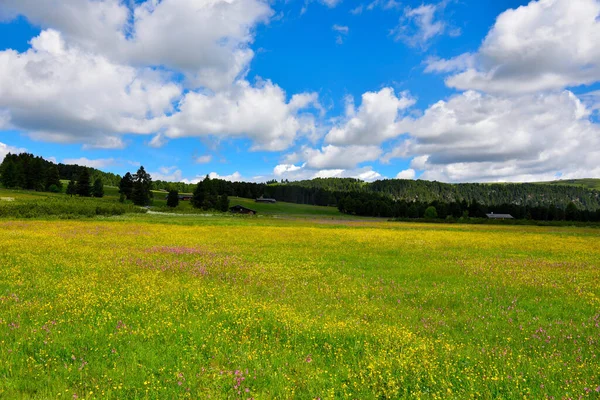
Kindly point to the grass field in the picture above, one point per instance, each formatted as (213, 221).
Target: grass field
(277, 209)
(153, 306)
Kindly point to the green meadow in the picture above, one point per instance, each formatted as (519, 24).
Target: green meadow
(236, 307)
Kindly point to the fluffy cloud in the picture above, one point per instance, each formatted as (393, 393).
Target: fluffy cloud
(99, 163)
(235, 177)
(63, 94)
(282, 169)
(375, 120)
(206, 40)
(5, 149)
(478, 137)
(406, 174)
(335, 157)
(88, 77)
(546, 45)
(301, 172)
(258, 112)
(168, 174)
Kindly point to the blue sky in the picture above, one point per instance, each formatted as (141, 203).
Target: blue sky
(448, 90)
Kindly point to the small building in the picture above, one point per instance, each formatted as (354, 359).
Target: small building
(499, 216)
(237, 209)
(265, 200)
(182, 197)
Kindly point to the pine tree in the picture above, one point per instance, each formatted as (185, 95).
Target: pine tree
(126, 185)
(173, 198)
(98, 189)
(142, 184)
(72, 187)
(571, 212)
(83, 187)
(8, 178)
(53, 179)
(223, 203)
(199, 195)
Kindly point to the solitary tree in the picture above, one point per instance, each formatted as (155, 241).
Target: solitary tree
(173, 198)
(126, 185)
(83, 184)
(98, 189)
(142, 183)
(71, 188)
(431, 212)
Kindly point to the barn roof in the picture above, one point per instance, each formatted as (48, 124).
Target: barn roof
(500, 216)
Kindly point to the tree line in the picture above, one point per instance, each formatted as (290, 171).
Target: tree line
(394, 198)
(376, 205)
(26, 171)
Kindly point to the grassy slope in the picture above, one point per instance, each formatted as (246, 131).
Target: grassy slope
(279, 208)
(346, 310)
(590, 183)
(282, 208)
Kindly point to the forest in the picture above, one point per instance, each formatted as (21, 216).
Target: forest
(390, 198)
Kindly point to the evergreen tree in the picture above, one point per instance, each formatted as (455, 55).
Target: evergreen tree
(126, 185)
(53, 178)
(199, 195)
(9, 177)
(37, 175)
(83, 187)
(72, 187)
(173, 198)
(571, 213)
(223, 203)
(142, 184)
(98, 189)
(413, 211)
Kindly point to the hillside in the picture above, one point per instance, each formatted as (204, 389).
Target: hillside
(589, 183)
(328, 191)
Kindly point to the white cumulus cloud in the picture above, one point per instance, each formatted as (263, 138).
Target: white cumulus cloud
(479, 137)
(375, 120)
(545, 45)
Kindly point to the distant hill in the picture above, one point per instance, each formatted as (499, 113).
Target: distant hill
(580, 192)
(589, 183)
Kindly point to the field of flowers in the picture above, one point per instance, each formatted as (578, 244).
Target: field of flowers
(235, 308)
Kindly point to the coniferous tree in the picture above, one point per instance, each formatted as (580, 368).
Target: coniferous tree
(571, 212)
(72, 187)
(173, 198)
(83, 186)
(98, 189)
(199, 195)
(126, 185)
(53, 182)
(9, 177)
(223, 203)
(142, 185)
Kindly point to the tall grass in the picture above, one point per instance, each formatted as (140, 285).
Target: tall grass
(66, 207)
